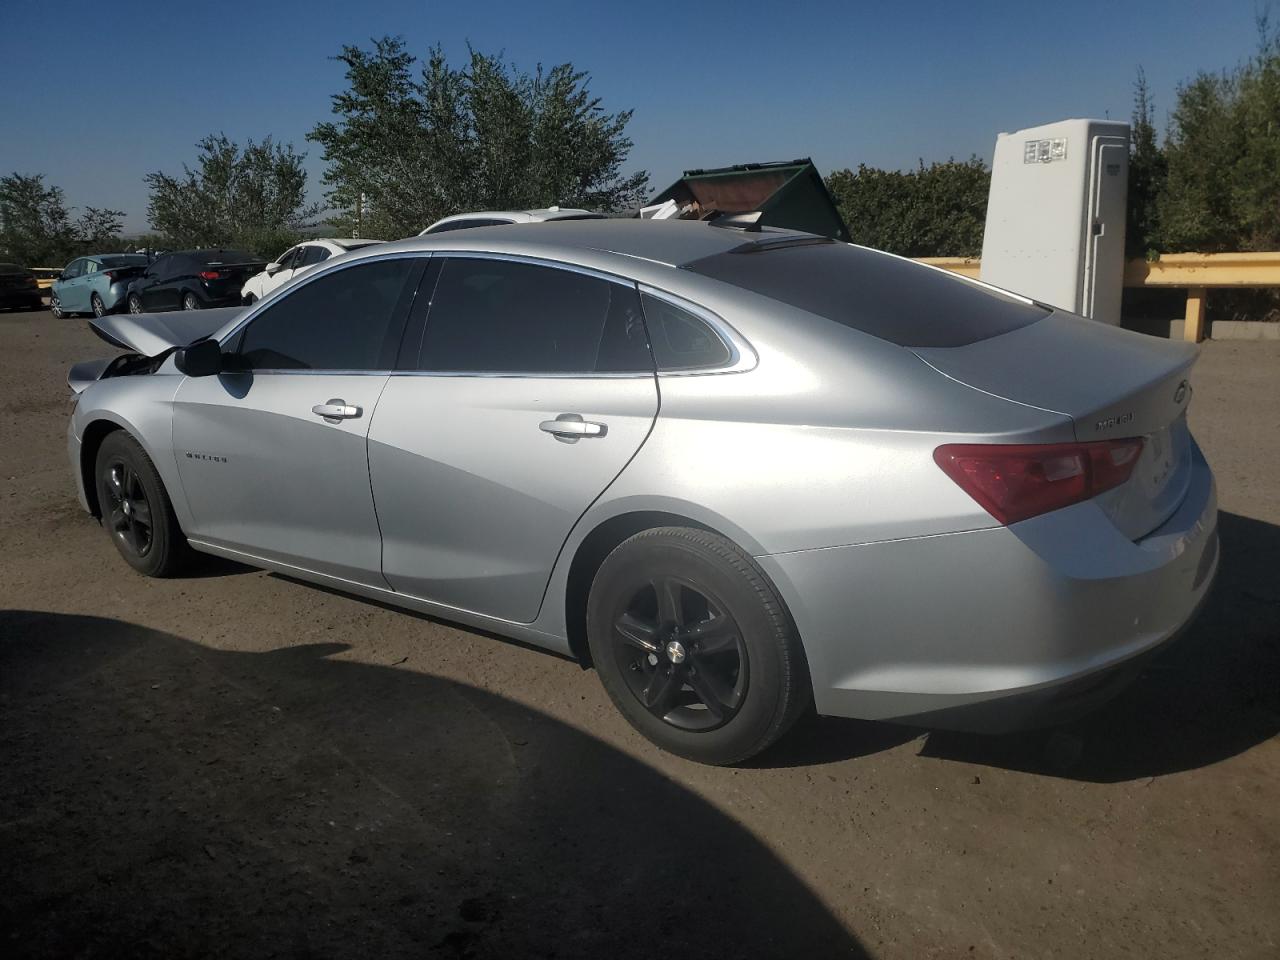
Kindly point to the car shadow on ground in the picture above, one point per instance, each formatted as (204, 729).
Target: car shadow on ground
(1212, 694)
(161, 798)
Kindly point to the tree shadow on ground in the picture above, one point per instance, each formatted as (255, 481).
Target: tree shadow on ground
(1212, 694)
(160, 798)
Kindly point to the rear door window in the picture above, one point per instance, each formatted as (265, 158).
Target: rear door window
(313, 255)
(508, 317)
(888, 297)
(346, 320)
(467, 224)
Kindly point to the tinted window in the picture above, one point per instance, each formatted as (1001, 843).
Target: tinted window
(123, 260)
(466, 224)
(161, 267)
(313, 255)
(896, 300)
(74, 269)
(348, 320)
(286, 259)
(504, 317)
(215, 257)
(681, 340)
(11, 268)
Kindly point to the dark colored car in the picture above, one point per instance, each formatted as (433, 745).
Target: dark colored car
(18, 287)
(193, 280)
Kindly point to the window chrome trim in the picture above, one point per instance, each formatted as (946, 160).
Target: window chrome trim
(742, 356)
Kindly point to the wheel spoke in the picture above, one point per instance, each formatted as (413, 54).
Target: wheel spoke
(714, 635)
(664, 686)
(637, 633)
(669, 606)
(141, 511)
(117, 519)
(114, 482)
(712, 692)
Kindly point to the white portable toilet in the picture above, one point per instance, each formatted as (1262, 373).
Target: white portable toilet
(1056, 215)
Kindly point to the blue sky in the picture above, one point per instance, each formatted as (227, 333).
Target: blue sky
(97, 95)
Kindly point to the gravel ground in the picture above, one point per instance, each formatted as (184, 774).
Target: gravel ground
(237, 764)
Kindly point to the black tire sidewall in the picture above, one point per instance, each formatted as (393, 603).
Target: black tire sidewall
(775, 680)
(167, 540)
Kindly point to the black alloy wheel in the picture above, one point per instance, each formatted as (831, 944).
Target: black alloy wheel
(681, 654)
(126, 510)
(694, 645)
(136, 510)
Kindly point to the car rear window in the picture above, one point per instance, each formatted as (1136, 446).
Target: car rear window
(211, 257)
(894, 299)
(11, 268)
(124, 260)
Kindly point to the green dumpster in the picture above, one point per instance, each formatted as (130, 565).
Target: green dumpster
(788, 194)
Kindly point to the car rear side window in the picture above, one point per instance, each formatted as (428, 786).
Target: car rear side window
(313, 255)
(346, 320)
(894, 299)
(502, 316)
(681, 340)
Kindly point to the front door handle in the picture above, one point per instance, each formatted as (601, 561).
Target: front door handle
(335, 411)
(570, 428)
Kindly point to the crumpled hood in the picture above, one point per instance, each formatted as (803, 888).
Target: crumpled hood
(153, 333)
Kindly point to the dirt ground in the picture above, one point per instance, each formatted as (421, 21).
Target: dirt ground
(237, 764)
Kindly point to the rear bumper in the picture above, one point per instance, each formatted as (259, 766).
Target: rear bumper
(999, 628)
(21, 298)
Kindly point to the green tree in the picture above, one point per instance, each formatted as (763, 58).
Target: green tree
(933, 211)
(35, 227)
(98, 229)
(1148, 172)
(254, 198)
(1223, 155)
(412, 145)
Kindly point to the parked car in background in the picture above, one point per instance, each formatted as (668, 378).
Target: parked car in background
(870, 484)
(97, 284)
(295, 260)
(18, 287)
(193, 280)
(493, 218)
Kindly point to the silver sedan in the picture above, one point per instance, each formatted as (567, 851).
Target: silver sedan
(737, 471)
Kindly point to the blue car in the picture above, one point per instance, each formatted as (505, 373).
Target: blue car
(97, 284)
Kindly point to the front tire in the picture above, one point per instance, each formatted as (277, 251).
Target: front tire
(189, 301)
(98, 309)
(56, 308)
(694, 647)
(136, 510)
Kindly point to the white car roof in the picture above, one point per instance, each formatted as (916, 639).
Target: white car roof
(539, 215)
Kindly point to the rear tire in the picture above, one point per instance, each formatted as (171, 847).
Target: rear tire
(135, 303)
(190, 302)
(136, 510)
(694, 647)
(98, 309)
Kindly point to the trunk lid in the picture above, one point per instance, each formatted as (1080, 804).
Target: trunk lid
(1112, 383)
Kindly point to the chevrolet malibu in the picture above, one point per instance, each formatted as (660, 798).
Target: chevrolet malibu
(738, 471)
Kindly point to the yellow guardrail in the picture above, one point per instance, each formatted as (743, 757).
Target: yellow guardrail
(1198, 273)
(46, 275)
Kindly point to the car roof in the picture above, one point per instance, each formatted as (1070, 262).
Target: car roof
(346, 243)
(670, 243)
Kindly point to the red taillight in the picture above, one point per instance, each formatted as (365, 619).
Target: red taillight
(110, 275)
(1013, 482)
(210, 275)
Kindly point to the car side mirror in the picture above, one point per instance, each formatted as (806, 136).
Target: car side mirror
(201, 359)
(273, 268)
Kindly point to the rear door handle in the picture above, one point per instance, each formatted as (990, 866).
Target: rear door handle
(335, 411)
(570, 428)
